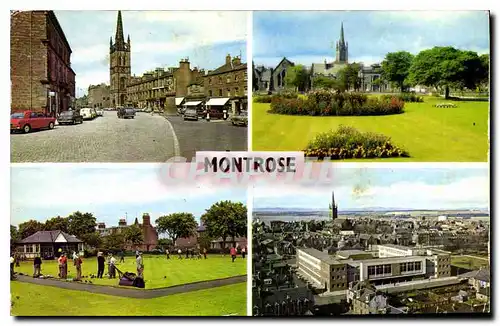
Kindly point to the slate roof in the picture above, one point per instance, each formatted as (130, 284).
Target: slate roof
(328, 69)
(481, 275)
(49, 237)
(227, 68)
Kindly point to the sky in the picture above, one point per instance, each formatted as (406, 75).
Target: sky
(356, 188)
(310, 37)
(158, 39)
(110, 193)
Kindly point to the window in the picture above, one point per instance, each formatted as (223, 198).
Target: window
(220, 80)
(210, 93)
(228, 92)
(228, 79)
(235, 77)
(210, 81)
(236, 91)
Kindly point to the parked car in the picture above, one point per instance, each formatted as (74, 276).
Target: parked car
(86, 113)
(216, 114)
(70, 117)
(240, 119)
(93, 112)
(191, 114)
(100, 112)
(29, 120)
(124, 113)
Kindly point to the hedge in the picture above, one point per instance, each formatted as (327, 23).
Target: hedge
(327, 103)
(405, 97)
(268, 98)
(348, 142)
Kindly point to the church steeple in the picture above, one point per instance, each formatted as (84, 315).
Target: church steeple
(333, 207)
(119, 40)
(342, 47)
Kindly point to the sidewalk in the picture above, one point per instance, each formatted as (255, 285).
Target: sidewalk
(133, 292)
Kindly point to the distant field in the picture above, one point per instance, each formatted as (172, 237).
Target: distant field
(428, 133)
(469, 262)
(158, 271)
(38, 300)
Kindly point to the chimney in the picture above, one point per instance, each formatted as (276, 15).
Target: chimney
(146, 220)
(101, 225)
(228, 59)
(122, 222)
(236, 61)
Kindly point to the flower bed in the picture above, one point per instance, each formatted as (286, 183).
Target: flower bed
(348, 142)
(405, 97)
(327, 103)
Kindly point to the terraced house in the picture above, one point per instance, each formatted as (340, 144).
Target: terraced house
(227, 85)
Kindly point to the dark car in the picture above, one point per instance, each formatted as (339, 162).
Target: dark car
(70, 117)
(124, 113)
(240, 119)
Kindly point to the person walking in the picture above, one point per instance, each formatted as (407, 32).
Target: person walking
(100, 264)
(122, 256)
(12, 263)
(180, 253)
(63, 266)
(233, 253)
(37, 266)
(187, 253)
(205, 253)
(139, 265)
(168, 254)
(78, 265)
(243, 252)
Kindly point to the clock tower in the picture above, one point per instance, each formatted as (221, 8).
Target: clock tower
(119, 65)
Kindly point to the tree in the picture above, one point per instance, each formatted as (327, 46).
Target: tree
(446, 67)
(80, 224)
(164, 243)
(133, 235)
(57, 223)
(396, 67)
(29, 228)
(204, 241)
(348, 77)
(325, 82)
(14, 236)
(93, 239)
(485, 68)
(226, 219)
(297, 77)
(114, 241)
(177, 225)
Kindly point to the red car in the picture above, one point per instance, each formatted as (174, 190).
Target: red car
(29, 120)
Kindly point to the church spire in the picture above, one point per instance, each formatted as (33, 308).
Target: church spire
(342, 33)
(119, 31)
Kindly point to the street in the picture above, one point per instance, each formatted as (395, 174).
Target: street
(146, 138)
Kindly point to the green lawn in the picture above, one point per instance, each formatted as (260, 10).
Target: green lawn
(158, 271)
(429, 134)
(468, 262)
(38, 300)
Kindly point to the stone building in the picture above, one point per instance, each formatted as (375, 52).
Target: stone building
(149, 233)
(371, 79)
(99, 96)
(262, 79)
(40, 63)
(229, 81)
(119, 65)
(278, 74)
(158, 89)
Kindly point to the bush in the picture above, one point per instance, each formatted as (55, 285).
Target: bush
(263, 99)
(405, 97)
(327, 103)
(347, 142)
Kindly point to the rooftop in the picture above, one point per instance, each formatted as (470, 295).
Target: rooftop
(323, 256)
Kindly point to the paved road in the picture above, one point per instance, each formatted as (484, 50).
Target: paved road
(146, 138)
(216, 135)
(134, 292)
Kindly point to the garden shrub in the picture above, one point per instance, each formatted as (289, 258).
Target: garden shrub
(263, 99)
(405, 97)
(327, 103)
(347, 142)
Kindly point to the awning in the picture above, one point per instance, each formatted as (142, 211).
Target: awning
(217, 101)
(193, 103)
(178, 100)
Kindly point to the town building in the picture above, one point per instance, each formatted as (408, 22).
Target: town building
(40, 63)
(99, 96)
(262, 79)
(47, 244)
(228, 81)
(119, 65)
(158, 89)
(149, 233)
